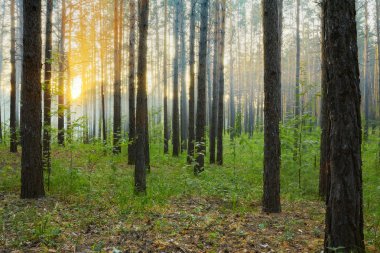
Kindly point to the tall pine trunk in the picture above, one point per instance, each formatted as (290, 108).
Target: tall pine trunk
(32, 183)
(272, 108)
(184, 116)
(344, 214)
(131, 81)
(175, 119)
(12, 123)
(117, 79)
(220, 128)
(142, 103)
(61, 89)
(201, 102)
(190, 149)
(166, 123)
(47, 89)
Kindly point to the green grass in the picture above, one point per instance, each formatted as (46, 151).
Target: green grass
(88, 179)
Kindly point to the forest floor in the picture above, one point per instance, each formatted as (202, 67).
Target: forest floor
(90, 205)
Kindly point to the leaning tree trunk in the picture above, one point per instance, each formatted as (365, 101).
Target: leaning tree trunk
(32, 183)
(344, 213)
(142, 103)
(201, 102)
(272, 108)
(47, 89)
(12, 123)
(220, 128)
(61, 89)
(190, 149)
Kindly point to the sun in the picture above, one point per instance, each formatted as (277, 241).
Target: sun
(76, 87)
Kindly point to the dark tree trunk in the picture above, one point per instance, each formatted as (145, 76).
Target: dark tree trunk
(131, 79)
(215, 86)
(61, 89)
(142, 103)
(325, 127)
(272, 108)
(366, 72)
(12, 123)
(103, 66)
(201, 102)
(344, 214)
(47, 89)
(220, 128)
(166, 123)
(232, 91)
(184, 117)
(175, 120)
(32, 184)
(117, 79)
(190, 150)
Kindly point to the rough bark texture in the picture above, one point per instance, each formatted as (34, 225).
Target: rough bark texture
(32, 184)
(201, 102)
(324, 148)
(47, 87)
(272, 108)
(166, 123)
(175, 119)
(61, 95)
(190, 149)
(117, 80)
(366, 72)
(220, 128)
(12, 122)
(142, 103)
(344, 214)
(131, 80)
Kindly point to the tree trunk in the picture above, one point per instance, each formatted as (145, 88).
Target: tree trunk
(344, 214)
(184, 117)
(219, 155)
(131, 79)
(325, 127)
(12, 123)
(142, 103)
(47, 89)
(32, 184)
(61, 89)
(166, 123)
(232, 91)
(117, 79)
(103, 66)
(190, 150)
(215, 85)
(272, 108)
(175, 121)
(378, 67)
(201, 102)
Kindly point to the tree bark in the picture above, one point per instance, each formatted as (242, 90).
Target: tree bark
(190, 149)
(166, 123)
(12, 123)
(366, 72)
(117, 80)
(142, 103)
(272, 108)
(220, 128)
(131, 79)
(32, 184)
(61, 89)
(201, 102)
(344, 213)
(297, 107)
(215, 85)
(47, 89)
(184, 116)
(175, 120)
